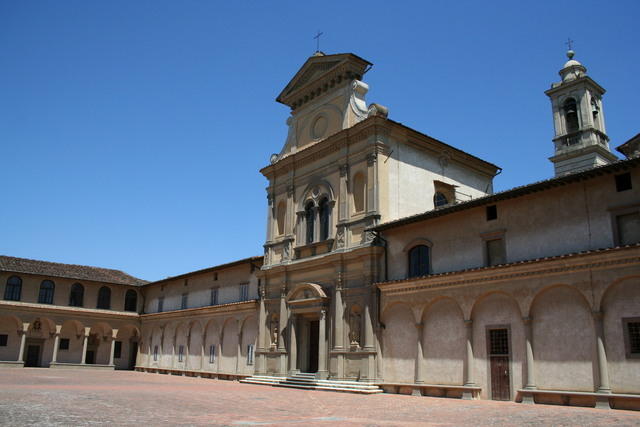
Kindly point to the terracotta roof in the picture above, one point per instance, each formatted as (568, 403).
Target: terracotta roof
(71, 271)
(615, 167)
(510, 264)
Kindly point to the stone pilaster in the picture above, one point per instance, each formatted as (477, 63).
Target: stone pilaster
(323, 372)
(603, 369)
(530, 381)
(419, 374)
(87, 331)
(114, 334)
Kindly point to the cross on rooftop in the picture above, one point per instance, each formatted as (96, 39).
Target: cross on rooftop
(317, 37)
(569, 43)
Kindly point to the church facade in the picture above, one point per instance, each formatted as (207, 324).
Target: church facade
(388, 261)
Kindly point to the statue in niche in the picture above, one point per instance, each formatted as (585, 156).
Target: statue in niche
(354, 327)
(274, 332)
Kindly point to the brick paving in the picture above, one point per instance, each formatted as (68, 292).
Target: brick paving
(82, 397)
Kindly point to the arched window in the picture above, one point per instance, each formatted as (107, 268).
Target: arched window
(131, 300)
(309, 216)
(419, 261)
(359, 193)
(13, 289)
(439, 199)
(281, 212)
(571, 115)
(104, 298)
(76, 296)
(324, 212)
(46, 292)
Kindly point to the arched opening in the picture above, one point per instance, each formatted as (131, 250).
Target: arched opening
(571, 115)
(324, 213)
(419, 261)
(309, 216)
(13, 290)
(45, 296)
(280, 216)
(439, 199)
(104, 298)
(359, 193)
(76, 296)
(131, 300)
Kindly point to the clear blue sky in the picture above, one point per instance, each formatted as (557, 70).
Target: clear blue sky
(132, 132)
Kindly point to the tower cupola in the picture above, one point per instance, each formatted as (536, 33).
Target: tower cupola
(580, 139)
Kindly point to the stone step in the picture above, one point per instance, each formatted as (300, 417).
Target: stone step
(307, 382)
(374, 390)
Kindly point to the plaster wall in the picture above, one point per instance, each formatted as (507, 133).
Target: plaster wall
(443, 343)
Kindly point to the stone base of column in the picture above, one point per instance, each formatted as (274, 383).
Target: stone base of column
(468, 394)
(604, 390)
(322, 375)
(528, 399)
(11, 364)
(603, 402)
(417, 391)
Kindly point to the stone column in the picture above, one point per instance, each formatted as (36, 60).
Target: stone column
(238, 352)
(419, 375)
(262, 327)
(603, 370)
(323, 372)
(56, 344)
(530, 383)
(186, 353)
(293, 346)
(173, 352)
(469, 360)
(87, 331)
(284, 319)
(203, 343)
(114, 334)
(338, 329)
(23, 340)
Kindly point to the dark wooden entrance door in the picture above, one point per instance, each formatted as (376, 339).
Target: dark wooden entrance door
(134, 355)
(33, 356)
(314, 335)
(499, 362)
(91, 357)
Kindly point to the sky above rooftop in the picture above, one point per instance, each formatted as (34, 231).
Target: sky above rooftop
(131, 133)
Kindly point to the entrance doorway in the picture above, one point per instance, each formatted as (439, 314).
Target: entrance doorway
(32, 358)
(314, 334)
(499, 363)
(134, 355)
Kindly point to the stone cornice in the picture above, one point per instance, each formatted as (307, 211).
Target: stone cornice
(52, 310)
(234, 307)
(595, 260)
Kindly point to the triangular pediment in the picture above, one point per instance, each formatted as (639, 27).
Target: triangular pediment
(316, 69)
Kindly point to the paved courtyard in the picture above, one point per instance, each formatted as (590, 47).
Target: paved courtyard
(80, 397)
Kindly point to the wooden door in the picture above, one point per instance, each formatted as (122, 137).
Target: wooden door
(499, 363)
(313, 345)
(33, 356)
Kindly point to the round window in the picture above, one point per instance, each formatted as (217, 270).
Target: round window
(319, 127)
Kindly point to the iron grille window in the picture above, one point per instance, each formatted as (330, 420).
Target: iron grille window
(160, 304)
(498, 342)
(64, 344)
(419, 261)
(623, 182)
(212, 353)
(492, 212)
(117, 350)
(3, 340)
(180, 353)
(13, 289)
(155, 353)
(244, 292)
(46, 292)
(76, 296)
(633, 331)
(185, 299)
(250, 353)
(104, 298)
(131, 300)
(214, 297)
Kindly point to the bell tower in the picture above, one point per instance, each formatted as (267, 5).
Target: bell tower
(580, 140)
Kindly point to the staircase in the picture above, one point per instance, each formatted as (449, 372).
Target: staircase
(309, 382)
